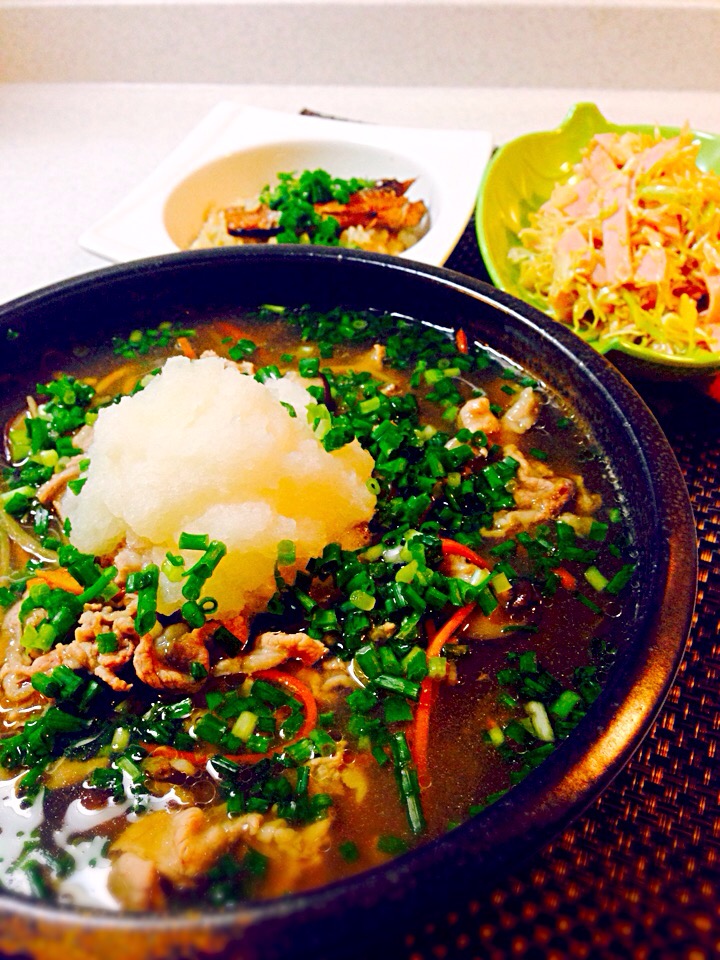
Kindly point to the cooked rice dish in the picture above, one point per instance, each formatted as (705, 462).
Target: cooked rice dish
(314, 208)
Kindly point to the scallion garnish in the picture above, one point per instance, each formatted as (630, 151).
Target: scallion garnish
(145, 581)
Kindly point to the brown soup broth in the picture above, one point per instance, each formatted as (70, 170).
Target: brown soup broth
(59, 842)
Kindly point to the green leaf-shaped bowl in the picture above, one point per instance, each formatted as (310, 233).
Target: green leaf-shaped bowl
(521, 176)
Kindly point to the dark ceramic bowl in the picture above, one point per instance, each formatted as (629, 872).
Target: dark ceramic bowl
(38, 334)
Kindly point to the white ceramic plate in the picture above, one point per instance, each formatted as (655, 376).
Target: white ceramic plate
(236, 150)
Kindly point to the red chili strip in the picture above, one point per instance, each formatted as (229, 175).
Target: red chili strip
(461, 341)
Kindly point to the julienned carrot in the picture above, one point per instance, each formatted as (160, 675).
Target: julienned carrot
(566, 578)
(102, 386)
(421, 720)
(449, 629)
(228, 329)
(187, 348)
(301, 691)
(297, 688)
(58, 579)
(461, 341)
(453, 548)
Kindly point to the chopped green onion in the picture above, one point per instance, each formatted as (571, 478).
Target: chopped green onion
(38, 638)
(496, 736)
(487, 602)
(120, 740)
(587, 602)
(245, 725)
(407, 781)
(208, 605)
(285, 553)
(44, 684)
(146, 615)
(387, 843)
(362, 600)
(210, 728)
(204, 567)
(437, 668)
(128, 766)
(565, 703)
(271, 693)
(242, 349)
(193, 541)
(172, 571)
(621, 579)
(540, 720)
(500, 583)
(598, 531)
(227, 640)
(369, 662)
(98, 588)
(107, 642)
(397, 710)
(370, 405)
(19, 443)
(269, 372)
(348, 851)
(389, 663)
(255, 863)
(398, 685)
(197, 670)
(309, 367)
(596, 580)
(192, 614)
(192, 587)
(414, 664)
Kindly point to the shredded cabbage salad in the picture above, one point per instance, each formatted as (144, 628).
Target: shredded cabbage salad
(627, 249)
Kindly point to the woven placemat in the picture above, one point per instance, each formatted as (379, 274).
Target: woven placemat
(638, 874)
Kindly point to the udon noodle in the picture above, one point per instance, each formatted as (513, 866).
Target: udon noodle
(284, 597)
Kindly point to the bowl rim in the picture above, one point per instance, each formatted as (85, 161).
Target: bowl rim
(564, 785)
(583, 117)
